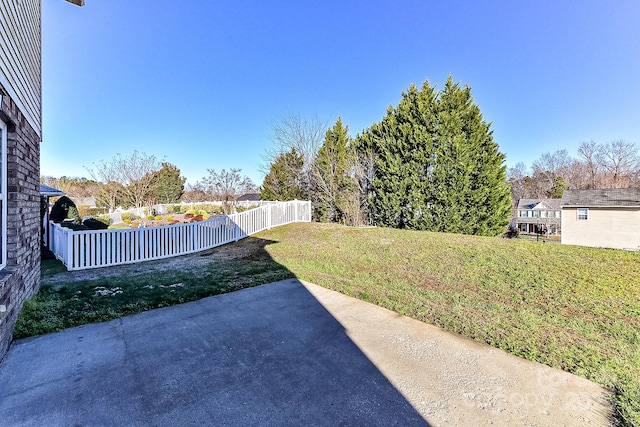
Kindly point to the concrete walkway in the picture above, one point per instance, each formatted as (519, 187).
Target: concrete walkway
(287, 353)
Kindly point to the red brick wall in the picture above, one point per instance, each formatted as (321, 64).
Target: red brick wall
(20, 279)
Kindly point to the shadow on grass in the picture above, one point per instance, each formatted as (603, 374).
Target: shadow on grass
(269, 355)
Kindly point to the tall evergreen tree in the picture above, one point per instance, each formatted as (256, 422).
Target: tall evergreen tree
(167, 186)
(283, 181)
(402, 148)
(436, 165)
(333, 185)
(470, 194)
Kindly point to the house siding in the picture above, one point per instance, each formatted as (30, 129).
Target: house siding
(616, 228)
(20, 111)
(20, 57)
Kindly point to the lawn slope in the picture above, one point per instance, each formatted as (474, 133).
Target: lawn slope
(574, 308)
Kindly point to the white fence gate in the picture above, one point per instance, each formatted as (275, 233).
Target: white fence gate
(80, 250)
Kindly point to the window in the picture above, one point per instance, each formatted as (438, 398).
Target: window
(583, 213)
(3, 194)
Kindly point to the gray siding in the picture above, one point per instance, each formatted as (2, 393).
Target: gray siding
(20, 58)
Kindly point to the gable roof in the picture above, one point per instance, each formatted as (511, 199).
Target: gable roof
(606, 197)
(552, 204)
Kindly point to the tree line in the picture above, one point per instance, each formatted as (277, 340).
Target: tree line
(430, 164)
(614, 164)
(140, 179)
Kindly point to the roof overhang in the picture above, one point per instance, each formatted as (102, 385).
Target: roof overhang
(601, 206)
(47, 191)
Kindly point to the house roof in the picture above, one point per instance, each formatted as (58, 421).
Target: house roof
(533, 204)
(606, 197)
(249, 197)
(47, 191)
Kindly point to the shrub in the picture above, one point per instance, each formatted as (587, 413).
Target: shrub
(169, 218)
(105, 219)
(73, 226)
(512, 233)
(74, 215)
(94, 224)
(176, 208)
(170, 209)
(203, 214)
(191, 212)
(86, 210)
(127, 216)
(150, 217)
(127, 221)
(215, 209)
(60, 209)
(158, 217)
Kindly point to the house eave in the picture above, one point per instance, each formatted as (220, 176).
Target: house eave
(602, 206)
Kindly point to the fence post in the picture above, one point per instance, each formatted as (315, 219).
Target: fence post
(69, 249)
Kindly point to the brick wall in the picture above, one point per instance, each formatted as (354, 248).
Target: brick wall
(20, 279)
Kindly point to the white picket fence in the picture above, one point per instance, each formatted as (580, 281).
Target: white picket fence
(80, 250)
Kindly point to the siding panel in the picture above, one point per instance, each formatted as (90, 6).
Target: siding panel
(617, 228)
(20, 59)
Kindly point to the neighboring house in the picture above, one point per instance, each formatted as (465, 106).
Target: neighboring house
(249, 197)
(538, 216)
(20, 137)
(606, 218)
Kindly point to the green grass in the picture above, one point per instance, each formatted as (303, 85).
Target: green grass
(574, 308)
(69, 302)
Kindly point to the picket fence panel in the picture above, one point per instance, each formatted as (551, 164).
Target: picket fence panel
(80, 250)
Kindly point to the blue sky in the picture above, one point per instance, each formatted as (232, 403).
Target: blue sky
(198, 84)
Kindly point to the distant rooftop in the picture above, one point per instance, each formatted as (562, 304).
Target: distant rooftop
(627, 197)
(249, 197)
(532, 203)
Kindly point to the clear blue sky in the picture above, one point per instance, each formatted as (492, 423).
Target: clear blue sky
(198, 83)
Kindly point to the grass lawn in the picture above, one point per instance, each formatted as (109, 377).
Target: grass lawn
(569, 307)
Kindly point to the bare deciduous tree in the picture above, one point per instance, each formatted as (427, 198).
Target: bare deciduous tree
(516, 177)
(548, 168)
(134, 172)
(226, 186)
(296, 132)
(588, 155)
(620, 161)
